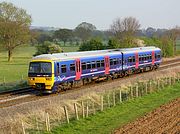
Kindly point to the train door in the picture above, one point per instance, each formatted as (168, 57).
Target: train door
(106, 61)
(153, 57)
(136, 60)
(78, 69)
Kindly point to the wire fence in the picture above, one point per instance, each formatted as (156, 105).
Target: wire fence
(46, 120)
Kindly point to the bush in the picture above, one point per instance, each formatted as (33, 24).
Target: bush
(164, 44)
(93, 44)
(47, 47)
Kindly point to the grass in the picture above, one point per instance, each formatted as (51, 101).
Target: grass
(18, 67)
(70, 48)
(14, 70)
(111, 119)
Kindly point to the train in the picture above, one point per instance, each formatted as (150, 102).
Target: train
(50, 73)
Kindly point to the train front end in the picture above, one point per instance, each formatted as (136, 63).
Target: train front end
(41, 76)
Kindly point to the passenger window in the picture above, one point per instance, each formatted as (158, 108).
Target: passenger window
(120, 61)
(130, 59)
(58, 69)
(133, 60)
(93, 64)
(88, 65)
(150, 57)
(63, 68)
(159, 55)
(111, 62)
(98, 63)
(140, 58)
(102, 63)
(145, 57)
(115, 61)
(83, 66)
(72, 67)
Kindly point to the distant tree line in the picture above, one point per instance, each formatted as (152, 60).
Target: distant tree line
(124, 32)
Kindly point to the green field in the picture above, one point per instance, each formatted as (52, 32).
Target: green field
(178, 45)
(111, 119)
(70, 48)
(14, 70)
(18, 67)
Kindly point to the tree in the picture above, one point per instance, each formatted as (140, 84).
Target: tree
(173, 34)
(44, 37)
(87, 26)
(53, 48)
(113, 43)
(150, 32)
(125, 29)
(47, 47)
(84, 30)
(93, 44)
(63, 34)
(14, 27)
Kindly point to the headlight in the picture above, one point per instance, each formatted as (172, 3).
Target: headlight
(31, 78)
(49, 79)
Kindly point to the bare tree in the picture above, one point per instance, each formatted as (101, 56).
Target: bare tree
(173, 34)
(125, 29)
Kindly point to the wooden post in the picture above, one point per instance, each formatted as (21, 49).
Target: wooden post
(158, 85)
(167, 82)
(120, 96)
(127, 97)
(76, 111)
(108, 100)
(102, 103)
(66, 114)
(37, 125)
(23, 128)
(146, 87)
(174, 79)
(162, 83)
(87, 109)
(47, 122)
(178, 77)
(170, 81)
(94, 110)
(82, 104)
(150, 86)
(114, 99)
(131, 91)
(137, 90)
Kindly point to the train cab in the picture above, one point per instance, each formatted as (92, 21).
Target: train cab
(41, 75)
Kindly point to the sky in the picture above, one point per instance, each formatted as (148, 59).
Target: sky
(101, 13)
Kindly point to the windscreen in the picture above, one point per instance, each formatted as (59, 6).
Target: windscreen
(40, 68)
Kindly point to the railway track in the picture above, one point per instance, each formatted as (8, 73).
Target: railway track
(15, 97)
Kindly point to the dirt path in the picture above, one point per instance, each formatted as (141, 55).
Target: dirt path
(163, 120)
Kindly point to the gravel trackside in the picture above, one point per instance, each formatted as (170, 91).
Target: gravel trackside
(62, 99)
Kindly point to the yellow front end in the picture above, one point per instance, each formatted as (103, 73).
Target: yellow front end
(40, 81)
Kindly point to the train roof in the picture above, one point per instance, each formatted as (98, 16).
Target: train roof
(84, 54)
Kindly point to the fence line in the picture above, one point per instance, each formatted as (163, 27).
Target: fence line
(85, 108)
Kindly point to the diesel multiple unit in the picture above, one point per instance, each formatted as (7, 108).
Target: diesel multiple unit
(54, 72)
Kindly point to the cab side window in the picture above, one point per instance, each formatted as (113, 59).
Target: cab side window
(63, 69)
